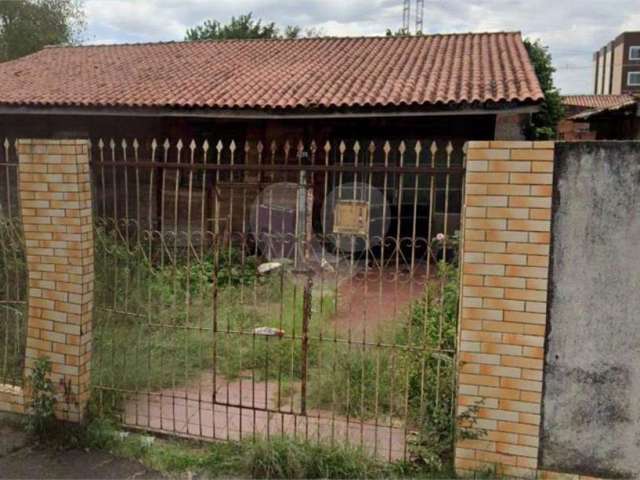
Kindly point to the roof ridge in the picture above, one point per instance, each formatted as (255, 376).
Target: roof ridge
(305, 39)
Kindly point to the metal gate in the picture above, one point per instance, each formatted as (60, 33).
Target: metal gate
(261, 289)
(13, 270)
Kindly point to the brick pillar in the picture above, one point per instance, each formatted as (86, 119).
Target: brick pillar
(504, 293)
(55, 195)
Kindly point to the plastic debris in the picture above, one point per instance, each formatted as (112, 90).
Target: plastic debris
(268, 331)
(268, 267)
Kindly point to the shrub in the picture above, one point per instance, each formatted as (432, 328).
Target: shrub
(41, 419)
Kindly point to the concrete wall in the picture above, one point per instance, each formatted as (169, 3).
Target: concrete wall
(591, 412)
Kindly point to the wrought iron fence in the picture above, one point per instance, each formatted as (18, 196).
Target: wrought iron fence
(13, 274)
(303, 289)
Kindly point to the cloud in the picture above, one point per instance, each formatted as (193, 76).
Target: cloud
(572, 30)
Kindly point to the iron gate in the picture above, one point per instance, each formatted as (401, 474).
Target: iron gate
(13, 271)
(278, 288)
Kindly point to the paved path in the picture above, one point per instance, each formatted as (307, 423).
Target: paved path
(191, 412)
(244, 408)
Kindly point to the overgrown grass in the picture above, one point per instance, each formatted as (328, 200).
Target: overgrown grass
(158, 326)
(164, 322)
(413, 381)
(13, 287)
(279, 457)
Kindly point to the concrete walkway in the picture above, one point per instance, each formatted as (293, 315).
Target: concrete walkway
(245, 409)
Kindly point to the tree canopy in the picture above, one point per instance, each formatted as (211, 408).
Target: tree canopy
(544, 123)
(28, 25)
(402, 33)
(246, 27)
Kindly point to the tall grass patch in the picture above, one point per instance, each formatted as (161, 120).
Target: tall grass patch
(13, 295)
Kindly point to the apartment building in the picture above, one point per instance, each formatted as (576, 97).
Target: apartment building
(617, 66)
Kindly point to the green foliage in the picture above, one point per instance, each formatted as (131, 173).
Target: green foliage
(401, 32)
(13, 309)
(154, 323)
(278, 457)
(167, 340)
(26, 26)
(544, 123)
(282, 457)
(416, 382)
(246, 27)
(242, 27)
(41, 419)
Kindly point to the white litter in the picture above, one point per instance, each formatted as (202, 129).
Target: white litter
(326, 266)
(268, 267)
(268, 331)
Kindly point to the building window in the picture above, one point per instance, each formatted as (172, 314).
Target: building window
(633, 79)
(634, 53)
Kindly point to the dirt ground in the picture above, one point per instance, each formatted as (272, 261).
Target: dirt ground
(369, 301)
(19, 459)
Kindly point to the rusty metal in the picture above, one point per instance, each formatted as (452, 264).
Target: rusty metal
(261, 168)
(306, 318)
(333, 342)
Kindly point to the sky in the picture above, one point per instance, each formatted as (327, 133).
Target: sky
(573, 29)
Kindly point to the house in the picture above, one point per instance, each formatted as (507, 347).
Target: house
(475, 85)
(278, 95)
(600, 117)
(616, 66)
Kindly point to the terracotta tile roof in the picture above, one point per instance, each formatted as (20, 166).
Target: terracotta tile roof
(278, 74)
(597, 101)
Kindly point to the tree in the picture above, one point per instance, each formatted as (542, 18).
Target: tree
(543, 123)
(244, 27)
(28, 25)
(402, 33)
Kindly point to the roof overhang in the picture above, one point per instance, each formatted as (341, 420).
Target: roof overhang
(237, 114)
(629, 109)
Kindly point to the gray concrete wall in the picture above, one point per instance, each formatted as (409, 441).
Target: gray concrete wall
(591, 400)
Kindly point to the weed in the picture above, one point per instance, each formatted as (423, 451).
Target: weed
(278, 457)
(13, 288)
(282, 457)
(41, 419)
(158, 326)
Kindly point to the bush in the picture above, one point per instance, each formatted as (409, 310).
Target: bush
(414, 380)
(41, 419)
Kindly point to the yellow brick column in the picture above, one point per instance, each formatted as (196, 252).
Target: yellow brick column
(505, 265)
(55, 196)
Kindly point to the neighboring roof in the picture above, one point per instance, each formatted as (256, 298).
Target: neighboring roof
(597, 101)
(590, 105)
(322, 73)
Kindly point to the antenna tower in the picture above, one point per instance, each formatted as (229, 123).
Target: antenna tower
(419, 15)
(406, 14)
